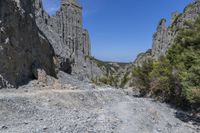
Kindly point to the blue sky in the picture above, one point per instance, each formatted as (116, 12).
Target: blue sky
(120, 29)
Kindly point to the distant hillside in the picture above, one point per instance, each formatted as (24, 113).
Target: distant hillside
(110, 67)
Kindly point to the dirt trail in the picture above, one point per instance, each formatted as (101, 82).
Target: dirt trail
(86, 110)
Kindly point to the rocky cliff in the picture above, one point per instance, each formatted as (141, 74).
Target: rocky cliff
(165, 35)
(163, 38)
(69, 39)
(142, 57)
(34, 44)
(23, 47)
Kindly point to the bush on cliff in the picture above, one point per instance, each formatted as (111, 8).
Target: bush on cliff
(175, 77)
(161, 82)
(184, 55)
(141, 75)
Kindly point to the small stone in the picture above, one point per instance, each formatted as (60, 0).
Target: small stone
(64, 128)
(159, 130)
(45, 128)
(7, 40)
(2, 29)
(4, 127)
(1, 48)
(26, 123)
(48, 100)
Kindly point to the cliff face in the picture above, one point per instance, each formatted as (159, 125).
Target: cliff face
(23, 48)
(69, 39)
(165, 36)
(142, 57)
(33, 44)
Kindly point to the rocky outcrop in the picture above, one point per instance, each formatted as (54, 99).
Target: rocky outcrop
(142, 57)
(69, 39)
(22, 44)
(160, 39)
(165, 36)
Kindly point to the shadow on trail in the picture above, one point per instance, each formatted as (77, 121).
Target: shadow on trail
(188, 117)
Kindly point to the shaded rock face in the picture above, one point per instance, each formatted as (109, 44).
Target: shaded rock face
(70, 41)
(21, 44)
(165, 36)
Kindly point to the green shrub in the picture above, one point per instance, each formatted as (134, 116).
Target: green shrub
(141, 76)
(175, 77)
(161, 80)
(108, 80)
(184, 56)
(125, 79)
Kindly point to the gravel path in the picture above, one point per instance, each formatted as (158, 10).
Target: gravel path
(88, 110)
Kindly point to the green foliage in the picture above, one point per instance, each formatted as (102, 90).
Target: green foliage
(125, 80)
(172, 78)
(161, 82)
(110, 69)
(175, 77)
(141, 75)
(108, 80)
(184, 55)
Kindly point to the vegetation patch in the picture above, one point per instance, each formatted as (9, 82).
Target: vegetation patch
(174, 78)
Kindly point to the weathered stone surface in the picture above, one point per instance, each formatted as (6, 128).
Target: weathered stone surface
(160, 39)
(69, 39)
(165, 36)
(21, 44)
(39, 73)
(142, 57)
(61, 108)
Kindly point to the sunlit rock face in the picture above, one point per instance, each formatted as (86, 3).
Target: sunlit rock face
(165, 35)
(69, 39)
(22, 44)
(142, 57)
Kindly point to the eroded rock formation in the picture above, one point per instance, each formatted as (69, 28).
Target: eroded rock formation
(33, 44)
(21, 44)
(165, 35)
(69, 39)
(142, 57)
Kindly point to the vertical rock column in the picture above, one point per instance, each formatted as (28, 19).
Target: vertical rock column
(159, 39)
(70, 41)
(73, 34)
